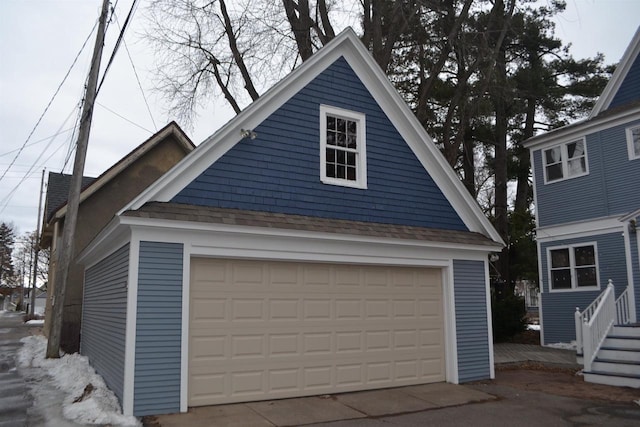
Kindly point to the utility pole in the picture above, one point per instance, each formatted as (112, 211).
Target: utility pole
(66, 249)
(36, 251)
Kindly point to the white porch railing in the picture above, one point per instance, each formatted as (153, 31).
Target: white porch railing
(623, 309)
(594, 323)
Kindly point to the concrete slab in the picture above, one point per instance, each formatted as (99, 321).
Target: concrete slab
(306, 410)
(383, 402)
(444, 394)
(239, 415)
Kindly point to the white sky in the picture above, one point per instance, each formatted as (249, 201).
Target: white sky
(40, 38)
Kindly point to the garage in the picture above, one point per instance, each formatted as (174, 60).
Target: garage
(270, 329)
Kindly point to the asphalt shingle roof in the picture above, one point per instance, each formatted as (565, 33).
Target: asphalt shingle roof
(58, 191)
(192, 213)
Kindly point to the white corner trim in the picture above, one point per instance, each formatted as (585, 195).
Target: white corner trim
(130, 338)
(540, 276)
(579, 229)
(540, 317)
(630, 53)
(630, 281)
(535, 186)
(450, 334)
(184, 341)
(492, 368)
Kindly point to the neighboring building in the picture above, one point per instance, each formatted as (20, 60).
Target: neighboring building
(317, 243)
(587, 198)
(100, 199)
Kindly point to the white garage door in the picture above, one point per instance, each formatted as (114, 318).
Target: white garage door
(264, 330)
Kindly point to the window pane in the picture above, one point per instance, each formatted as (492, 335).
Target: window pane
(331, 155)
(341, 157)
(585, 255)
(351, 159)
(331, 138)
(341, 125)
(577, 166)
(351, 173)
(575, 149)
(331, 123)
(331, 170)
(586, 276)
(351, 141)
(560, 258)
(342, 140)
(341, 173)
(561, 279)
(635, 135)
(554, 172)
(351, 127)
(553, 155)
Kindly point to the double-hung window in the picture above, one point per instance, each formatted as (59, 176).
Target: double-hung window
(573, 267)
(564, 161)
(633, 142)
(342, 147)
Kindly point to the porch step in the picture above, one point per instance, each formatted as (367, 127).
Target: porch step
(620, 380)
(617, 353)
(621, 341)
(626, 330)
(614, 366)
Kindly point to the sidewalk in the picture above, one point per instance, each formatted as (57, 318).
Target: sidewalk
(15, 399)
(506, 353)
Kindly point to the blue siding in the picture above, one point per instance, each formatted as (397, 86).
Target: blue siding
(158, 329)
(606, 191)
(279, 170)
(471, 320)
(630, 88)
(558, 308)
(104, 318)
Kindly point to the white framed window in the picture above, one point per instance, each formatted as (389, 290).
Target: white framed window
(343, 155)
(564, 161)
(633, 142)
(573, 267)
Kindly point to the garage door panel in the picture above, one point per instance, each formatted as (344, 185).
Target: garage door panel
(262, 330)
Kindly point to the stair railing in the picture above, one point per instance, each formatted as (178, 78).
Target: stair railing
(584, 317)
(623, 310)
(596, 328)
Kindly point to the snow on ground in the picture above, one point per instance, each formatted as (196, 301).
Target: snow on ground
(533, 327)
(71, 374)
(35, 322)
(563, 345)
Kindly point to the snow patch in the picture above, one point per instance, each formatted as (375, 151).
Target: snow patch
(564, 345)
(533, 327)
(71, 374)
(35, 322)
(637, 402)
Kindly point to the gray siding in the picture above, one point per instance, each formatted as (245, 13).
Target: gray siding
(158, 329)
(607, 190)
(104, 318)
(471, 320)
(559, 307)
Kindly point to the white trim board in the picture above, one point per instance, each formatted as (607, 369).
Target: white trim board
(130, 337)
(348, 46)
(579, 229)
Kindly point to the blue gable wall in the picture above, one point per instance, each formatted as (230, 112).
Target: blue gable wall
(558, 308)
(158, 329)
(471, 320)
(630, 88)
(607, 190)
(279, 170)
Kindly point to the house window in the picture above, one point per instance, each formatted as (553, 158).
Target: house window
(633, 142)
(565, 161)
(573, 267)
(342, 147)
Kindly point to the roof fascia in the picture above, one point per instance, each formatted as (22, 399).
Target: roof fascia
(582, 128)
(347, 45)
(619, 75)
(171, 129)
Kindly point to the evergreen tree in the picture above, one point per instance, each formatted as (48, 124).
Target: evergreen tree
(7, 241)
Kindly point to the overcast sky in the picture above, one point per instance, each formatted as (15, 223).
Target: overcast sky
(39, 40)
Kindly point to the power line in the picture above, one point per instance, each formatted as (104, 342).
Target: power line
(50, 101)
(36, 142)
(123, 117)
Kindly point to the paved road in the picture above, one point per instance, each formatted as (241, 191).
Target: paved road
(514, 408)
(15, 399)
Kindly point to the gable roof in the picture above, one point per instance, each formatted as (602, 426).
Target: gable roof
(348, 46)
(610, 91)
(58, 191)
(94, 184)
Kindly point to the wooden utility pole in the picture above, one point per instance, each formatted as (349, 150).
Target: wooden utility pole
(66, 248)
(36, 251)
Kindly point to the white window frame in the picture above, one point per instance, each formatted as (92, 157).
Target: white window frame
(565, 161)
(572, 267)
(361, 150)
(632, 154)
